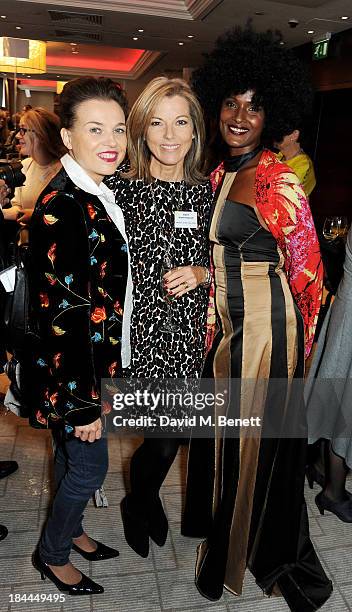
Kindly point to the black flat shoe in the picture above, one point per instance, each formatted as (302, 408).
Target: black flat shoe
(3, 532)
(102, 552)
(85, 586)
(343, 509)
(135, 528)
(313, 475)
(7, 468)
(157, 523)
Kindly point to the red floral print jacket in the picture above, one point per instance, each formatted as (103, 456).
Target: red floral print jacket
(284, 207)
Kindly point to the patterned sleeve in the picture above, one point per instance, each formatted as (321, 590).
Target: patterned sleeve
(285, 209)
(60, 255)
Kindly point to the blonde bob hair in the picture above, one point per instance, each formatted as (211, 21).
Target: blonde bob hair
(139, 121)
(46, 127)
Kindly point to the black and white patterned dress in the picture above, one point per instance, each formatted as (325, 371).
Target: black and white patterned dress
(149, 218)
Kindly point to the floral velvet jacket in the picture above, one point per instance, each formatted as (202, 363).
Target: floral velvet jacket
(284, 207)
(77, 274)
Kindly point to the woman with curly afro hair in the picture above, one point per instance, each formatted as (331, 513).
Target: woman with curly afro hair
(268, 278)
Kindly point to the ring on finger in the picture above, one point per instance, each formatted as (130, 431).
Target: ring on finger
(185, 284)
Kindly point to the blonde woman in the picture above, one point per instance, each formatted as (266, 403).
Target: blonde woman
(165, 139)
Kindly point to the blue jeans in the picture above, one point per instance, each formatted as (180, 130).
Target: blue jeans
(80, 468)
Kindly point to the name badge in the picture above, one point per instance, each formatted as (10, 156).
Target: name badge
(186, 219)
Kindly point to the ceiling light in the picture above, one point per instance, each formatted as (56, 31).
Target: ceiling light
(190, 36)
(135, 38)
(181, 44)
(73, 44)
(282, 42)
(3, 16)
(58, 76)
(18, 28)
(140, 30)
(259, 13)
(344, 17)
(310, 32)
(75, 52)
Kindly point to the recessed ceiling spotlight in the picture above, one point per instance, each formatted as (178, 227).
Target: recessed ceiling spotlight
(282, 42)
(73, 44)
(141, 30)
(135, 38)
(259, 13)
(310, 32)
(190, 36)
(3, 16)
(57, 76)
(18, 28)
(74, 51)
(344, 17)
(181, 44)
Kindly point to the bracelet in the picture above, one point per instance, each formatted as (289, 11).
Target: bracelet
(208, 278)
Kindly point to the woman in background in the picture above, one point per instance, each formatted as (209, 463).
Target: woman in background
(292, 154)
(39, 138)
(328, 396)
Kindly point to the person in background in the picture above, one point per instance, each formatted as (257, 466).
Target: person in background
(165, 145)
(328, 396)
(6, 467)
(77, 272)
(268, 279)
(39, 139)
(4, 130)
(292, 154)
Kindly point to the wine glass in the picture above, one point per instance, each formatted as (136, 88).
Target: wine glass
(335, 227)
(168, 326)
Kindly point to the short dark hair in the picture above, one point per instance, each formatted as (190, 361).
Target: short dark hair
(88, 88)
(245, 60)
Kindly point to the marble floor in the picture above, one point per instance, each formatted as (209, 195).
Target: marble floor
(164, 581)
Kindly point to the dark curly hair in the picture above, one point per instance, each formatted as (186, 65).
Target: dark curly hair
(245, 60)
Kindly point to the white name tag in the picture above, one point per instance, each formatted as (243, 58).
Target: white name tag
(8, 278)
(186, 219)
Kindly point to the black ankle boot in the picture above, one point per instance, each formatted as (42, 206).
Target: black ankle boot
(157, 522)
(135, 527)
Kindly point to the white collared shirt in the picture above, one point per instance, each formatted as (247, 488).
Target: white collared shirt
(80, 178)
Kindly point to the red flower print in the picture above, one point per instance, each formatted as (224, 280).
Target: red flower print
(106, 407)
(40, 418)
(98, 315)
(51, 278)
(57, 360)
(91, 210)
(44, 300)
(94, 393)
(48, 197)
(53, 398)
(112, 368)
(51, 252)
(117, 308)
(102, 269)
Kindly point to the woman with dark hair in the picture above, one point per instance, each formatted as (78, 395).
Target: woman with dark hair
(166, 203)
(268, 278)
(77, 272)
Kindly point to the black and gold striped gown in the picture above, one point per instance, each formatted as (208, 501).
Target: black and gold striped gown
(259, 516)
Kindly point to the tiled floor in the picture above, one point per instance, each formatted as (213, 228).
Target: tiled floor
(164, 581)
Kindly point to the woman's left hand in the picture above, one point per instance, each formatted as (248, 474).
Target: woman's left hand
(181, 280)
